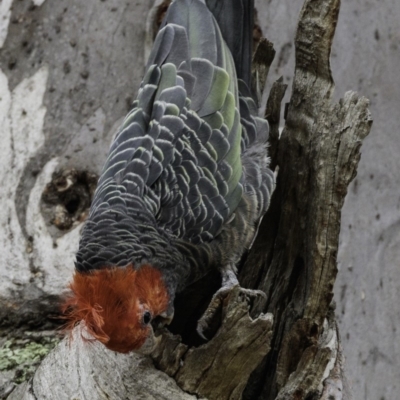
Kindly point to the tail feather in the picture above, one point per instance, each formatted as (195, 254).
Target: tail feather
(236, 20)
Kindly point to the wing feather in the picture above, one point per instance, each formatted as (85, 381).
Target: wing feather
(179, 153)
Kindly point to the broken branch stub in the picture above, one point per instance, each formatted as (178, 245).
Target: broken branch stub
(262, 60)
(220, 368)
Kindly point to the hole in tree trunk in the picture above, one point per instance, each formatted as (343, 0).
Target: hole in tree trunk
(67, 198)
(72, 206)
(190, 306)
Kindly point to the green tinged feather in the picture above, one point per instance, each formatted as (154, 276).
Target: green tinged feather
(217, 95)
(168, 78)
(228, 110)
(214, 120)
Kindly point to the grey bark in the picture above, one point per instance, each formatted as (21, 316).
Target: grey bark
(86, 370)
(288, 348)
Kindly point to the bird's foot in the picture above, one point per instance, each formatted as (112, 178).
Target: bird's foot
(209, 323)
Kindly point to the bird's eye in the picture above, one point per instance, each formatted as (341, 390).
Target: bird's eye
(146, 317)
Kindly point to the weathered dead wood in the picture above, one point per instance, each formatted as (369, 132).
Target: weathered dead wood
(294, 257)
(89, 370)
(336, 385)
(234, 352)
(263, 56)
(273, 115)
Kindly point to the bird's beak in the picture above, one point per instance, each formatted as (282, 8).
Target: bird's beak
(154, 337)
(166, 318)
(150, 344)
(163, 319)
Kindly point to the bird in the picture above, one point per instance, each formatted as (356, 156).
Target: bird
(185, 183)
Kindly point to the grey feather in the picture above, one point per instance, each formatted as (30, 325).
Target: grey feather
(162, 46)
(175, 95)
(203, 71)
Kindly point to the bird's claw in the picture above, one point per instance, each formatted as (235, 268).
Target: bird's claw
(211, 319)
(212, 312)
(253, 293)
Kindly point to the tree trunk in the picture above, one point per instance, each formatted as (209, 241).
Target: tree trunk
(285, 348)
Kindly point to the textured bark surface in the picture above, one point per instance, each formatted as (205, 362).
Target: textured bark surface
(86, 370)
(317, 154)
(66, 82)
(83, 88)
(217, 370)
(365, 57)
(221, 368)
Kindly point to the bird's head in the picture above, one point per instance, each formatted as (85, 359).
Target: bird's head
(118, 306)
